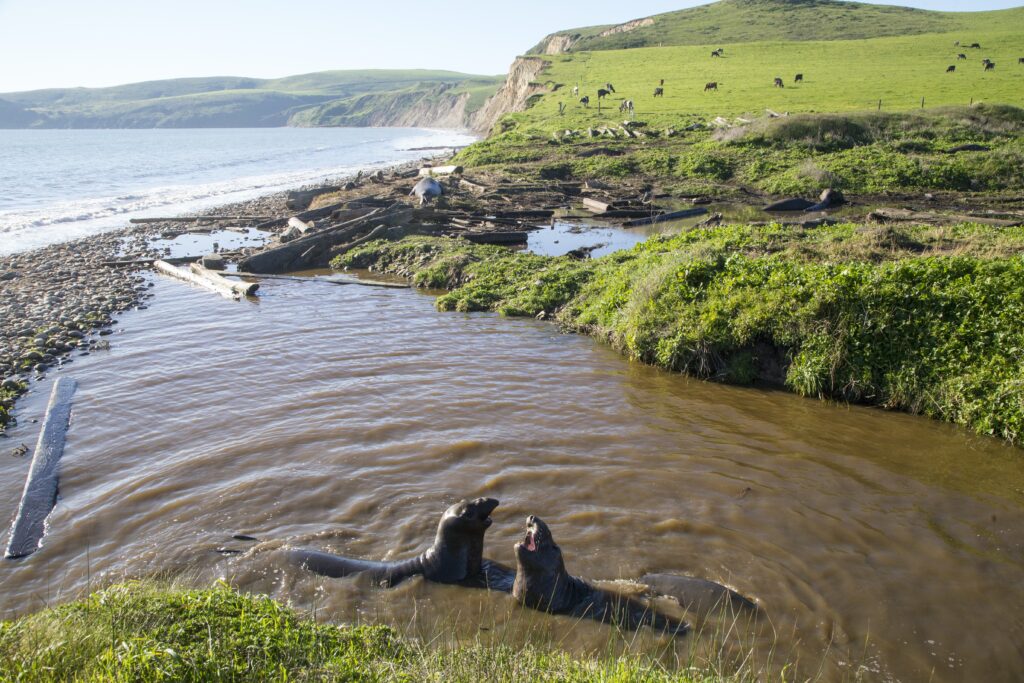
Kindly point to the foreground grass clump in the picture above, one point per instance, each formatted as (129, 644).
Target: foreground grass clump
(927, 320)
(138, 632)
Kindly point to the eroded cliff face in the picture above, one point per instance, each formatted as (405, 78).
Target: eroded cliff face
(626, 28)
(511, 97)
(436, 107)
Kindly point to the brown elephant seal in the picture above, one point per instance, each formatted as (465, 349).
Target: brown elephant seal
(456, 557)
(542, 583)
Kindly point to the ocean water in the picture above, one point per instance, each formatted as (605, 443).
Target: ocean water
(57, 185)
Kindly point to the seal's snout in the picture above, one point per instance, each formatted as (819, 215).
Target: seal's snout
(486, 506)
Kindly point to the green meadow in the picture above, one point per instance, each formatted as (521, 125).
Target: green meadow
(839, 76)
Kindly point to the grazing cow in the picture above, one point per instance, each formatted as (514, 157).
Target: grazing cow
(659, 92)
(799, 78)
(713, 85)
(663, 80)
(950, 69)
(626, 106)
(990, 66)
(1020, 60)
(779, 83)
(609, 87)
(975, 46)
(576, 91)
(716, 53)
(957, 44)
(585, 101)
(602, 93)
(961, 56)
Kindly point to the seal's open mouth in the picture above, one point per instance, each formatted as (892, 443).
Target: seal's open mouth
(531, 541)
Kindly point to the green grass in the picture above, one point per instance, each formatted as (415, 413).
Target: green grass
(141, 632)
(862, 153)
(7, 397)
(737, 21)
(918, 319)
(847, 75)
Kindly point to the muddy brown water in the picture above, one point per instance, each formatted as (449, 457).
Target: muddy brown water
(881, 546)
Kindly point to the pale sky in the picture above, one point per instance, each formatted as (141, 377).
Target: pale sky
(64, 43)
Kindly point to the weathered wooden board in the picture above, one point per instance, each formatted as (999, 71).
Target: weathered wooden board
(671, 216)
(40, 494)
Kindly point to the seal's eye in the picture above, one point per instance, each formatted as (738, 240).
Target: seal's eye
(465, 512)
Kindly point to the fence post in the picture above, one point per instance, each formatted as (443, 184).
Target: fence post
(922, 103)
(879, 105)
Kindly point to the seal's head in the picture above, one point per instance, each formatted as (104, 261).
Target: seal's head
(541, 581)
(538, 552)
(467, 518)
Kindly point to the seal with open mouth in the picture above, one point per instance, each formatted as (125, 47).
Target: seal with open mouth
(456, 556)
(541, 582)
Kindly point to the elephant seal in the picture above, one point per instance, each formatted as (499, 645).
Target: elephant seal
(456, 557)
(542, 583)
(698, 596)
(427, 189)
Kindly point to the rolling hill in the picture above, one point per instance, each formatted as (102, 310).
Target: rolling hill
(742, 21)
(401, 97)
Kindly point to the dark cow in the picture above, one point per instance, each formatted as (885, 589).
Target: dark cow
(799, 78)
(961, 56)
(950, 69)
(990, 66)
(585, 101)
(779, 83)
(609, 87)
(662, 82)
(659, 92)
(716, 53)
(602, 93)
(713, 85)
(975, 46)
(1020, 60)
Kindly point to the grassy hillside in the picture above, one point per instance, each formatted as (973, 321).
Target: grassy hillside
(738, 21)
(836, 135)
(229, 101)
(847, 75)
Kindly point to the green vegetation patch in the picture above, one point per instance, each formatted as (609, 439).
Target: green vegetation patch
(138, 632)
(8, 394)
(738, 21)
(926, 320)
(978, 149)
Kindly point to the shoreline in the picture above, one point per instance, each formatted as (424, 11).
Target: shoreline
(60, 299)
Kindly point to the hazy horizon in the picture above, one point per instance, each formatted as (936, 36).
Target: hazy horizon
(114, 42)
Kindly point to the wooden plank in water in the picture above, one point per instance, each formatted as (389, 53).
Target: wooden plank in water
(671, 216)
(40, 494)
(193, 278)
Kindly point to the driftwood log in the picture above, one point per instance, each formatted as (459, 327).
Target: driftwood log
(222, 288)
(887, 215)
(239, 288)
(40, 494)
(315, 249)
(671, 216)
(198, 219)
